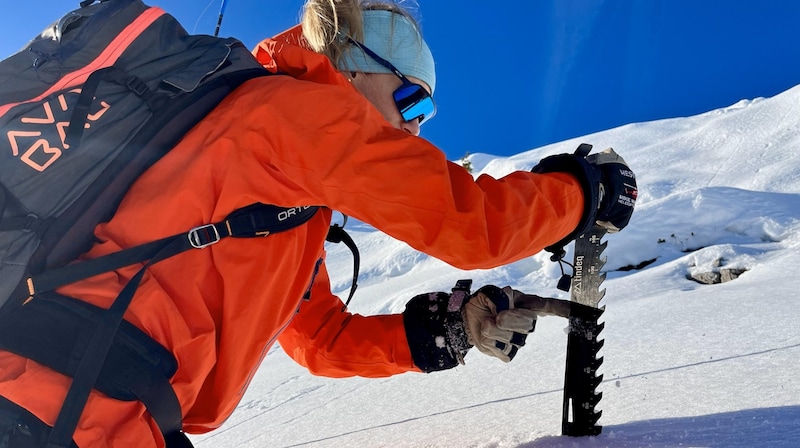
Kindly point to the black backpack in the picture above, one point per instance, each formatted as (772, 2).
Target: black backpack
(85, 108)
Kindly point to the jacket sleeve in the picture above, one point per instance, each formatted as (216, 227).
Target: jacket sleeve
(329, 341)
(327, 145)
(344, 155)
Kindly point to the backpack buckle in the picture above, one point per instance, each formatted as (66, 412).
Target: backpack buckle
(203, 236)
(137, 86)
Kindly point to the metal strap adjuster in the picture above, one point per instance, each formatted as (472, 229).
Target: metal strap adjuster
(203, 236)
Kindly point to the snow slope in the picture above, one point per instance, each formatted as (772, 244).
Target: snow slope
(686, 364)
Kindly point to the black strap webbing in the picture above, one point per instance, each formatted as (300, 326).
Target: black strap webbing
(54, 330)
(124, 374)
(118, 76)
(251, 221)
(337, 234)
(254, 220)
(96, 352)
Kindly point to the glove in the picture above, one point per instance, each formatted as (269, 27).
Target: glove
(441, 328)
(609, 188)
(494, 324)
(435, 329)
(618, 190)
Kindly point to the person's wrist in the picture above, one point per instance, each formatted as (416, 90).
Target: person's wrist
(435, 330)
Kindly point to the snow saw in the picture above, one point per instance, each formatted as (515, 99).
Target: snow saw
(581, 398)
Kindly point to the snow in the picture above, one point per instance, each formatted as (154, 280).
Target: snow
(686, 364)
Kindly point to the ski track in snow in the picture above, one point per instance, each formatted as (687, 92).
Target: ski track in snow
(685, 364)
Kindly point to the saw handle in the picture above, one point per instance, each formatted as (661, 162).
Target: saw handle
(547, 306)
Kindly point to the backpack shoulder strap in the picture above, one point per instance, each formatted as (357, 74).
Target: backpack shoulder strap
(251, 221)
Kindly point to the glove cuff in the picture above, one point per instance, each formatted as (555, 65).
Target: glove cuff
(590, 179)
(435, 330)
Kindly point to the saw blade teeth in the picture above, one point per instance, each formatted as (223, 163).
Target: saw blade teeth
(594, 417)
(593, 400)
(597, 346)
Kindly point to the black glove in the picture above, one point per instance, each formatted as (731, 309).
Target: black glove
(609, 188)
(435, 329)
(441, 327)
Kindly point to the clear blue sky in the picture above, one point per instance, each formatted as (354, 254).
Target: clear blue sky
(513, 76)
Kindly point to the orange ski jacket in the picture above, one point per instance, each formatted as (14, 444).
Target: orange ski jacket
(304, 137)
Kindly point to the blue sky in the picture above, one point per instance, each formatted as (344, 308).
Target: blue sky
(515, 76)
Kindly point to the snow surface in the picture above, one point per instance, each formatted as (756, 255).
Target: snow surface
(685, 364)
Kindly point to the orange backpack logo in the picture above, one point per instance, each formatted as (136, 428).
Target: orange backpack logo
(41, 152)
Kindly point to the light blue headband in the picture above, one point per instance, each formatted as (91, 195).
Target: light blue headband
(394, 38)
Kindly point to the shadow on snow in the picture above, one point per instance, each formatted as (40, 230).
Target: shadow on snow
(777, 427)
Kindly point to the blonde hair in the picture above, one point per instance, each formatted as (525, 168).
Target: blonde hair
(325, 21)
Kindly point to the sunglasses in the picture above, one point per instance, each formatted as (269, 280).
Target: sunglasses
(412, 100)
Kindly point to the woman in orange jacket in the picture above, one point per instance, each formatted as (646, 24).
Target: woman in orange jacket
(338, 130)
